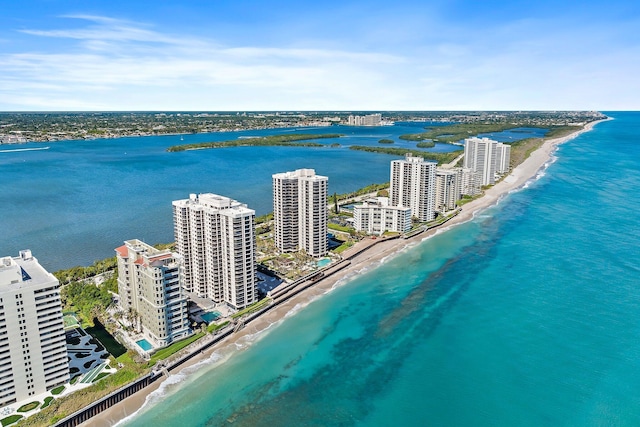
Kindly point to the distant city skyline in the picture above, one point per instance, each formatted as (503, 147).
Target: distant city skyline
(353, 56)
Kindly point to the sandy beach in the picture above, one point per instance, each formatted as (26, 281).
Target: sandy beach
(376, 254)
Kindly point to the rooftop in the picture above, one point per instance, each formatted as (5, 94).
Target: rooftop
(23, 270)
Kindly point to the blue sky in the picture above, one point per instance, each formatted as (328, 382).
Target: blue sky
(331, 55)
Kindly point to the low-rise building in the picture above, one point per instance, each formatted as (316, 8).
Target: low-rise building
(150, 283)
(375, 216)
(33, 350)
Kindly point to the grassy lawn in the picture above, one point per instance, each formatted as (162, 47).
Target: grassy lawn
(343, 247)
(10, 420)
(214, 327)
(252, 308)
(101, 376)
(28, 407)
(57, 390)
(173, 348)
(337, 227)
(47, 402)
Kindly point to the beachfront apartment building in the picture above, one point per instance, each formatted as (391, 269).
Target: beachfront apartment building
(375, 216)
(413, 185)
(489, 159)
(150, 283)
(503, 158)
(470, 182)
(480, 156)
(448, 189)
(33, 349)
(300, 212)
(215, 235)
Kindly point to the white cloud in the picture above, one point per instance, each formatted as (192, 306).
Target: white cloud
(122, 65)
(114, 59)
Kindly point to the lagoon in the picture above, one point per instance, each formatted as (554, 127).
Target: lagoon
(75, 202)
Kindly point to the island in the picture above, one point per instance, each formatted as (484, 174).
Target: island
(273, 140)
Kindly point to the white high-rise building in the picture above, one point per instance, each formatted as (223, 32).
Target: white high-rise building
(480, 156)
(375, 216)
(470, 182)
(503, 158)
(286, 210)
(216, 237)
(33, 349)
(448, 189)
(150, 282)
(413, 185)
(300, 212)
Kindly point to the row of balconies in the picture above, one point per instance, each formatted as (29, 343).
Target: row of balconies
(60, 336)
(53, 381)
(48, 311)
(47, 289)
(51, 358)
(49, 295)
(48, 322)
(50, 328)
(55, 301)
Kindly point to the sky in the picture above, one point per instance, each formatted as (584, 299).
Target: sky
(223, 55)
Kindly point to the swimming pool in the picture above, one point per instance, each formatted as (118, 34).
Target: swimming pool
(211, 316)
(144, 344)
(323, 262)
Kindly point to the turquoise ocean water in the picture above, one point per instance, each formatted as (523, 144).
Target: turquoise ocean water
(528, 315)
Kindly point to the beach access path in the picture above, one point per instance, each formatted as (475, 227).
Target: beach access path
(377, 251)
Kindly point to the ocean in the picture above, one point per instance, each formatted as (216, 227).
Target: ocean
(527, 315)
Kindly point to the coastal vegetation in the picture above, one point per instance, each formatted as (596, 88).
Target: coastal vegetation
(51, 126)
(522, 149)
(165, 352)
(458, 131)
(258, 305)
(426, 144)
(80, 273)
(385, 141)
(273, 140)
(400, 152)
(85, 299)
(371, 188)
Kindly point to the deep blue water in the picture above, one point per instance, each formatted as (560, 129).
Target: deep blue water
(527, 315)
(74, 203)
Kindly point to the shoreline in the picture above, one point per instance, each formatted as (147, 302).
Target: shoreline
(366, 260)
